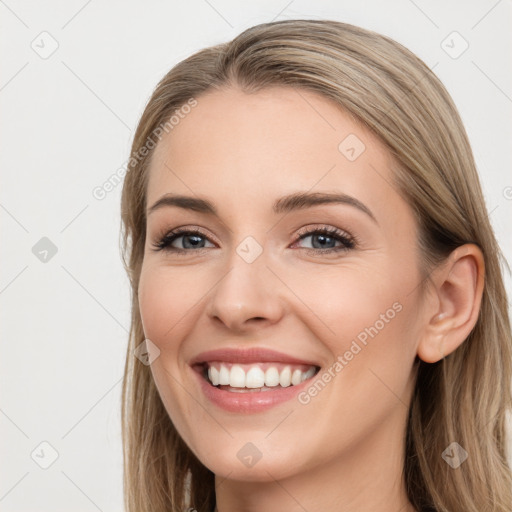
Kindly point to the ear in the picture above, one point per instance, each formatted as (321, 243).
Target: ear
(456, 287)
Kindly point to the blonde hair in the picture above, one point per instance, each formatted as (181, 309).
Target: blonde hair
(465, 396)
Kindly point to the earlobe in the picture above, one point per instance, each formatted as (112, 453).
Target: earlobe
(458, 287)
(431, 349)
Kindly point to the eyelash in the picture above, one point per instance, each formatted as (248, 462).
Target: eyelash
(348, 241)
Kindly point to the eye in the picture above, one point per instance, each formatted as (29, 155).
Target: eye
(191, 239)
(324, 239)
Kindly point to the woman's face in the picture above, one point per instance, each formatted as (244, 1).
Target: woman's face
(268, 289)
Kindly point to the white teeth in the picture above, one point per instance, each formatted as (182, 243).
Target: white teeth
(213, 375)
(272, 377)
(296, 377)
(223, 376)
(285, 379)
(255, 377)
(237, 377)
(308, 374)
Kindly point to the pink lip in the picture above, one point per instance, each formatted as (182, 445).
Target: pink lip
(252, 401)
(248, 355)
(249, 402)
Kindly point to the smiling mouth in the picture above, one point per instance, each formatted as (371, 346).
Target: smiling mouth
(255, 377)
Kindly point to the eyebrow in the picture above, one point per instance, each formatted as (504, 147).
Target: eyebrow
(295, 201)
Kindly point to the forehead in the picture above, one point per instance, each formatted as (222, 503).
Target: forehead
(278, 140)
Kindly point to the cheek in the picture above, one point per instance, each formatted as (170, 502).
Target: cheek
(343, 302)
(165, 299)
(365, 316)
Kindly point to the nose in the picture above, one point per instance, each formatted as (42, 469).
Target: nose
(247, 297)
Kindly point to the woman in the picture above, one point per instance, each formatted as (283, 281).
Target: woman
(316, 286)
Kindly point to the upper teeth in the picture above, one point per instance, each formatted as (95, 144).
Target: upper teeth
(253, 376)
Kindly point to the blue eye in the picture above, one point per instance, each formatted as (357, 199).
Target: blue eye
(322, 240)
(191, 240)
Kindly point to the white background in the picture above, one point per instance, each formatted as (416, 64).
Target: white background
(66, 126)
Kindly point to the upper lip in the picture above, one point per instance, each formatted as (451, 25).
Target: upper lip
(248, 355)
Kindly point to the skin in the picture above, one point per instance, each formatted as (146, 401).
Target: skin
(342, 451)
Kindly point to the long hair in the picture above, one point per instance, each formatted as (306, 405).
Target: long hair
(464, 397)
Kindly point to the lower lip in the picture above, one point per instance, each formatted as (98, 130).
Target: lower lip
(249, 401)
